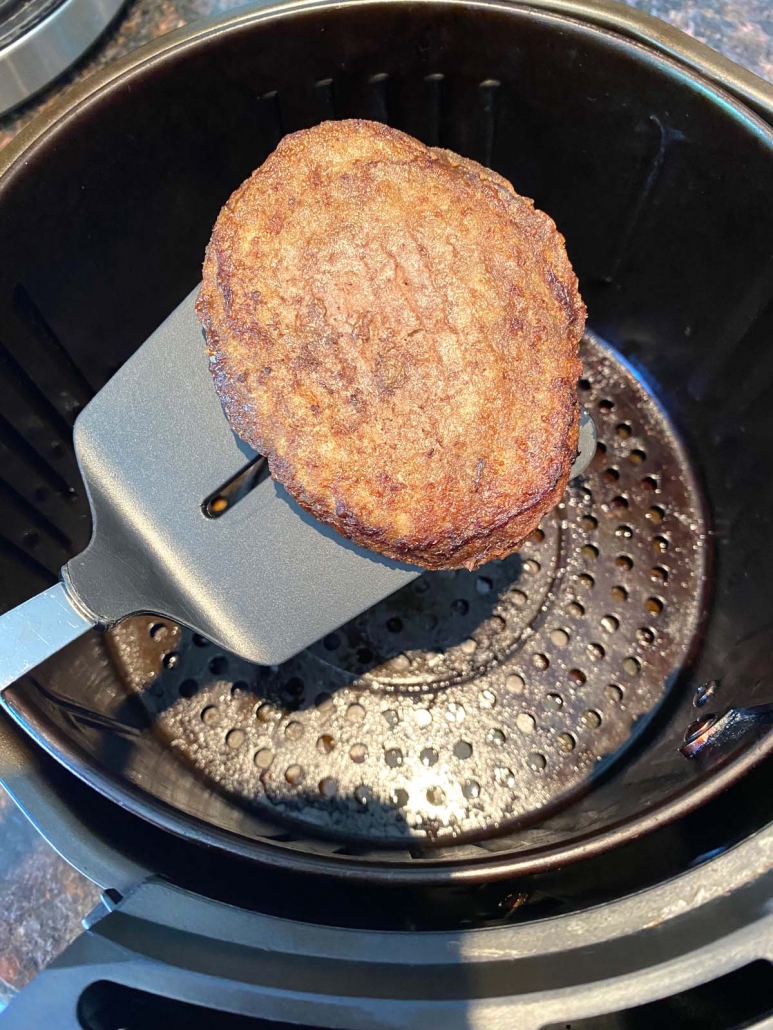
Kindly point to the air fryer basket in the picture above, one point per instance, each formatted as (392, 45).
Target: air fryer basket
(621, 661)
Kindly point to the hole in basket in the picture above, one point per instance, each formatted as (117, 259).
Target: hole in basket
(295, 774)
(591, 719)
(654, 605)
(637, 456)
(619, 593)
(625, 532)
(294, 730)
(393, 757)
(578, 676)
(623, 430)
(589, 523)
(210, 716)
(566, 742)
(606, 406)
(188, 688)
(235, 738)
(589, 552)
(516, 683)
(263, 758)
(435, 796)
(631, 666)
(525, 722)
(624, 561)
(325, 744)
(267, 713)
(292, 693)
(358, 753)
(218, 665)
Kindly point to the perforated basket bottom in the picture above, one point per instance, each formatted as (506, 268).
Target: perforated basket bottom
(466, 700)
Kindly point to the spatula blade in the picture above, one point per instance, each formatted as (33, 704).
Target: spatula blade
(265, 579)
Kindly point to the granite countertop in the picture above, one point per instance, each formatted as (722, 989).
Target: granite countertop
(41, 898)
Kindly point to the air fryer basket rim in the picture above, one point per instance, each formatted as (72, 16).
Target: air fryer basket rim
(615, 22)
(674, 47)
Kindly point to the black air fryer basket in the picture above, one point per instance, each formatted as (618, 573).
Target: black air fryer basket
(551, 711)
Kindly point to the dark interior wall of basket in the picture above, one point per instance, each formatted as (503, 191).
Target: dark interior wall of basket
(664, 199)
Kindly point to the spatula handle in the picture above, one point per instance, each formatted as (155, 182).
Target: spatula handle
(36, 630)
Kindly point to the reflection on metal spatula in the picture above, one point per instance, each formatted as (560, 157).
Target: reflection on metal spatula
(159, 460)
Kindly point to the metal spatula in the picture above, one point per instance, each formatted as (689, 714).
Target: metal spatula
(160, 463)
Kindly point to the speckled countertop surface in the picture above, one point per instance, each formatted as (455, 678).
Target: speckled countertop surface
(41, 898)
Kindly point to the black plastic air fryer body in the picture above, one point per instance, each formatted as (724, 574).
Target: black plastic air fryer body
(655, 158)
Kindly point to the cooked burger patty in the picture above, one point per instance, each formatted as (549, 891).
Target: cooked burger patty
(396, 329)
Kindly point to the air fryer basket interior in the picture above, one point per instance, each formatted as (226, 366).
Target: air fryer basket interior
(664, 192)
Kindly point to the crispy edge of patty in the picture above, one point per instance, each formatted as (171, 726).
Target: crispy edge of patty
(473, 544)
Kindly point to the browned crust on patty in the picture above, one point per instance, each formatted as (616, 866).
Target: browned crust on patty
(396, 330)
